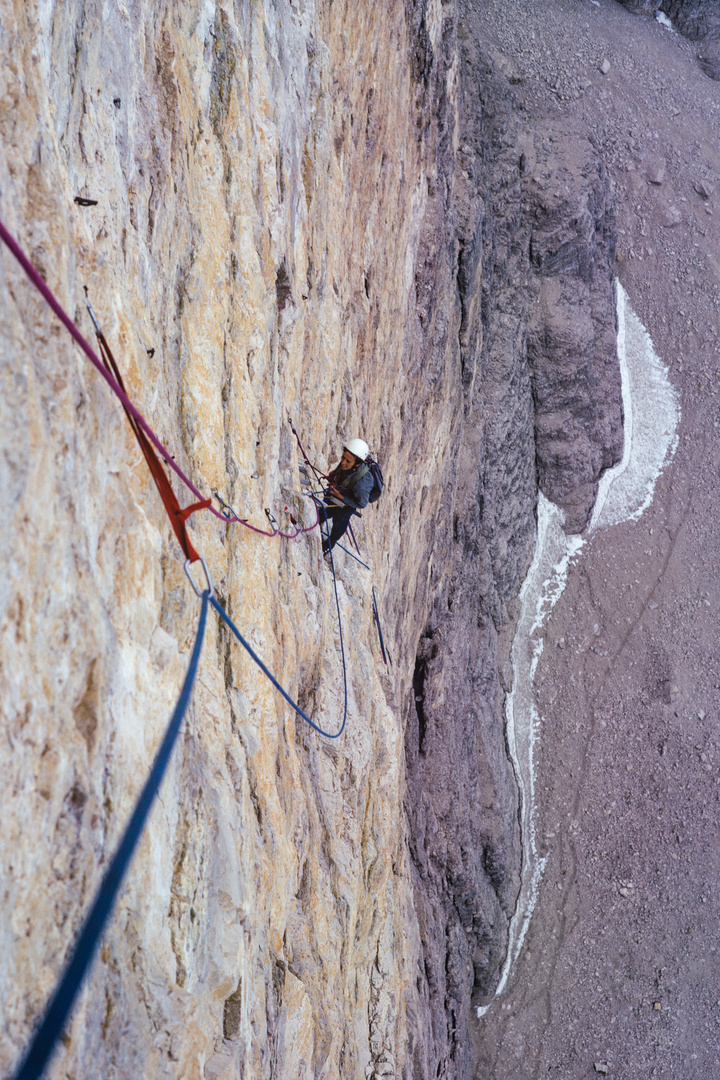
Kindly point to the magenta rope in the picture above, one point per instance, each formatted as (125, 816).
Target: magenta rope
(263, 532)
(94, 359)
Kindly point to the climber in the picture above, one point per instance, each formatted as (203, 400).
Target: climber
(349, 488)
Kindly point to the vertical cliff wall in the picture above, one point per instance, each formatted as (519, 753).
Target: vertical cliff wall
(338, 212)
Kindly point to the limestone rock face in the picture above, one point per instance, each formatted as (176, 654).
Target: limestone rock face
(324, 211)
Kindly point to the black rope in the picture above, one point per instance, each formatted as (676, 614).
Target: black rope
(60, 1005)
(379, 628)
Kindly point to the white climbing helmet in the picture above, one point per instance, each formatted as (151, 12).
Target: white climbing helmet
(358, 448)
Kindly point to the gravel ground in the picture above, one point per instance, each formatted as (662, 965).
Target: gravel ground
(620, 974)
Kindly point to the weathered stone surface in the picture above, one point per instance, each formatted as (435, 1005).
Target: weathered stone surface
(655, 171)
(252, 229)
(642, 7)
(696, 19)
(703, 188)
(571, 341)
(514, 246)
(709, 61)
(332, 213)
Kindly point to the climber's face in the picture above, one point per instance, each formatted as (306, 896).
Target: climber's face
(347, 461)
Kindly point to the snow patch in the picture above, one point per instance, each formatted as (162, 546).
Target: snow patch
(663, 19)
(652, 412)
(554, 553)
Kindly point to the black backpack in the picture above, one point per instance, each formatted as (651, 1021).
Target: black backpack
(378, 482)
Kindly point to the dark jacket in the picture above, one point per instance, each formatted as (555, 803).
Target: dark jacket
(355, 485)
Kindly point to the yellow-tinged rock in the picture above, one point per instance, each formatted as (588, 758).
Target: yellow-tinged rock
(260, 197)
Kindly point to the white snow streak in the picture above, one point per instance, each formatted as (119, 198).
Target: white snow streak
(651, 415)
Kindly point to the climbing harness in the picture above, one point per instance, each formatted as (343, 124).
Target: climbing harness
(315, 496)
(60, 1005)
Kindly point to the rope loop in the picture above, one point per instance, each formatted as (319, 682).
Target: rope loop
(266, 671)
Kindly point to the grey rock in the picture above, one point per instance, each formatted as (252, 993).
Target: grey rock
(514, 287)
(642, 7)
(710, 65)
(571, 333)
(656, 171)
(703, 188)
(461, 796)
(696, 19)
(605, 66)
(671, 217)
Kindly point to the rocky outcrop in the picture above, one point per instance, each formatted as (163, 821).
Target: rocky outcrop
(571, 339)
(461, 800)
(642, 7)
(696, 19)
(346, 216)
(530, 215)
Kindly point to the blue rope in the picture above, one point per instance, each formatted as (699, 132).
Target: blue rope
(224, 615)
(62, 1001)
(349, 552)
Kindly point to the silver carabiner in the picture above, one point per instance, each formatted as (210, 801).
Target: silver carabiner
(225, 508)
(91, 313)
(191, 579)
